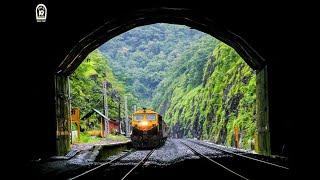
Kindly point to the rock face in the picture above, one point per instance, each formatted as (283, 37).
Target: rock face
(216, 106)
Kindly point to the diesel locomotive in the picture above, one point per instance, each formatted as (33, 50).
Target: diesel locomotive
(148, 129)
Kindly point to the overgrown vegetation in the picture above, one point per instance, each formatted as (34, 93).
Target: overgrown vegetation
(211, 108)
(201, 86)
(116, 138)
(87, 138)
(87, 90)
(141, 57)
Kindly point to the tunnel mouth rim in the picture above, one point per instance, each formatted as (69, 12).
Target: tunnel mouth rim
(179, 16)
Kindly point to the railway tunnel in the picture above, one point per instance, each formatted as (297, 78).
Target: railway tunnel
(69, 36)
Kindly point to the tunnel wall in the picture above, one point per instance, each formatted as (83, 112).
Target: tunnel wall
(50, 43)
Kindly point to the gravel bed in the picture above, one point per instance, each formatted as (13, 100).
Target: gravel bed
(172, 152)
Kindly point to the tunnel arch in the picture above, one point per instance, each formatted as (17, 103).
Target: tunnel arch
(181, 16)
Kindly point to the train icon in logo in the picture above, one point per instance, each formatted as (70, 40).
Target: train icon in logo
(41, 13)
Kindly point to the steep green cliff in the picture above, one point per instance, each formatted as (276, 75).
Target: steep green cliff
(213, 106)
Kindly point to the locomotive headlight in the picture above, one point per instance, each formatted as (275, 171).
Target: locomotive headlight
(144, 123)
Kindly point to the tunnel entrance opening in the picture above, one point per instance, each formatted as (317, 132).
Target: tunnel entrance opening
(165, 15)
(146, 66)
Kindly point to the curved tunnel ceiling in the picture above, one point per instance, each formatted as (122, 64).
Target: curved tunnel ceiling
(181, 16)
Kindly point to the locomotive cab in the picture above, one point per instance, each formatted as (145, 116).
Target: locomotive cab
(144, 121)
(147, 129)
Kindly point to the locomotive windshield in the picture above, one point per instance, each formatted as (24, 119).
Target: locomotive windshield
(138, 117)
(151, 117)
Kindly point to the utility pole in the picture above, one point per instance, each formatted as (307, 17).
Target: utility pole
(126, 116)
(69, 115)
(105, 104)
(119, 110)
(119, 118)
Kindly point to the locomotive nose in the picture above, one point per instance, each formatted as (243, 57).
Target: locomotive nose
(144, 123)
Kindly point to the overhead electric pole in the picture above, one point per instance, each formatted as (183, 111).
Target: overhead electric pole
(126, 115)
(105, 104)
(119, 113)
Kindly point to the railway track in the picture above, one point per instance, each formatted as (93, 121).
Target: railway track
(138, 165)
(215, 162)
(216, 148)
(109, 163)
(231, 165)
(243, 166)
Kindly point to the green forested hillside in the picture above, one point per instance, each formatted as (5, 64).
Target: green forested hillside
(86, 88)
(220, 101)
(185, 74)
(141, 56)
(201, 86)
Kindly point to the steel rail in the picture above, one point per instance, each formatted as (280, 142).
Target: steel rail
(241, 155)
(140, 163)
(100, 166)
(215, 162)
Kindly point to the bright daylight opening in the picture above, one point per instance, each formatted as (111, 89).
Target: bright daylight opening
(200, 87)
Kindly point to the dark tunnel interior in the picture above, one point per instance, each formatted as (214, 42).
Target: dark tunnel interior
(73, 25)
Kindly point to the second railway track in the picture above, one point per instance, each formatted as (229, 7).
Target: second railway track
(196, 152)
(241, 155)
(241, 165)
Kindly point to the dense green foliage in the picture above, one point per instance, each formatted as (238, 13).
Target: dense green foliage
(201, 86)
(141, 57)
(185, 75)
(86, 138)
(87, 88)
(223, 99)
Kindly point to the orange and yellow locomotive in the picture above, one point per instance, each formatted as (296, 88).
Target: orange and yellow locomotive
(148, 129)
